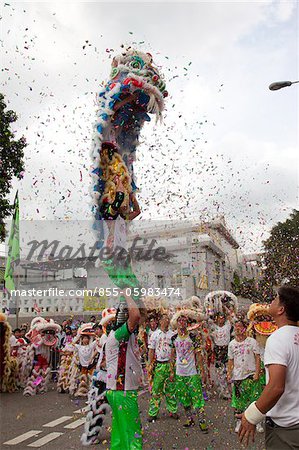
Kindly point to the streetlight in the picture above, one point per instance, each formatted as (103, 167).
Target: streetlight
(281, 84)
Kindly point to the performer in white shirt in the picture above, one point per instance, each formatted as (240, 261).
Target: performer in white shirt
(244, 364)
(159, 369)
(279, 402)
(124, 376)
(186, 354)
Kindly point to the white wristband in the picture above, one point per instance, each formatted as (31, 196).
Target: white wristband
(253, 415)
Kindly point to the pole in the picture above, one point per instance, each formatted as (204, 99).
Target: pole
(17, 301)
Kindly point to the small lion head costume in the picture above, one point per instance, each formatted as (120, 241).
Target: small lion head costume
(262, 324)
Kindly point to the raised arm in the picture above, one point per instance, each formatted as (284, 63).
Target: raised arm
(134, 314)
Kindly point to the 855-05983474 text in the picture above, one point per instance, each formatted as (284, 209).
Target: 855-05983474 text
(137, 291)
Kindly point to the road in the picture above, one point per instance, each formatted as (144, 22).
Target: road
(55, 421)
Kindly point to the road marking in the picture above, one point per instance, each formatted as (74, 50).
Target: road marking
(82, 410)
(22, 437)
(48, 438)
(76, 424)
(57, 421)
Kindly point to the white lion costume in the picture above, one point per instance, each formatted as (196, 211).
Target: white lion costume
(98, 406)
(216, 302)
(36, 368)
(66, 356)
(191, 308)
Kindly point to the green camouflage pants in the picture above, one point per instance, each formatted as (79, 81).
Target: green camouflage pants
(189, 391)
(162, 386)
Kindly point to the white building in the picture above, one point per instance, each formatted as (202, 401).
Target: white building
(205, 256)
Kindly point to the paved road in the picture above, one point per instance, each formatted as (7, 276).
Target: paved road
(55, 421)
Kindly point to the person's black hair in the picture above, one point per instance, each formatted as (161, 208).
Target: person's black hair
(111, 326)
(17, 329)
(289, 298)
(241, 318)
(109, 146)
(218, 315)
(97, 325)
(153, 317)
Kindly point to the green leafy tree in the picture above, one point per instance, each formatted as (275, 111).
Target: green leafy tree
(248, 288)
(281, 256)
(245, 287)
(11, 161)
(236, 284)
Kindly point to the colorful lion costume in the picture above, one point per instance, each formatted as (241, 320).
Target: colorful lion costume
(8, 364)
(134, 91)
(36, 364)
(260, 328)
(262, 324)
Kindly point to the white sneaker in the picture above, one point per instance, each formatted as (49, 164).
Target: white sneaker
(238, 425)
(259, 428)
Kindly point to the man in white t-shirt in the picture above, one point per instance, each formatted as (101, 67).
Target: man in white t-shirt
(186, 352)
(124, 376)
(279, 402)
(159, 366)
(153, 325)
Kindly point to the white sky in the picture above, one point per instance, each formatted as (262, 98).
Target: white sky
(228, 146)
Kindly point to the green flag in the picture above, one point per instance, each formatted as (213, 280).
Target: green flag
(13, 248)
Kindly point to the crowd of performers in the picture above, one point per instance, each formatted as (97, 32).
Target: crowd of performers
(183, 356)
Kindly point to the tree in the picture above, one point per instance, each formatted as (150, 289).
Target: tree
(245, 287)
(236, 284)
(11, 161)
(281, 256)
